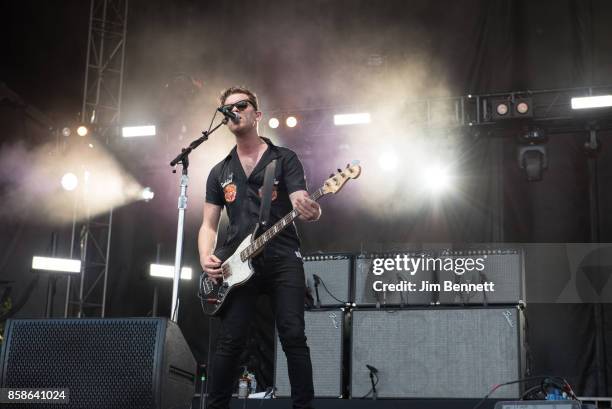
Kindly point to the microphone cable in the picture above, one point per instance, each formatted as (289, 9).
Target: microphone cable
(329, 292)
(371, 389)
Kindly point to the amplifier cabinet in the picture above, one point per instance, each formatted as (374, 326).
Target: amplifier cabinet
(502, 267)
(437, 352)
(367, 278)
(334, 271)
(324, 331)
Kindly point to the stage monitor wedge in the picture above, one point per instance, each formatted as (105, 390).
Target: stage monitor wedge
(123, 363)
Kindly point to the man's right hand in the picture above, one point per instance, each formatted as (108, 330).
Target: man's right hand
(212, 266)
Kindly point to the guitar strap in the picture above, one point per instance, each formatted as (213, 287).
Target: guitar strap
(266, 194)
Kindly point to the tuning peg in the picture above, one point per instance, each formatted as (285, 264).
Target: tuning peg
(331, 175)
(348, 165)
(339, 170)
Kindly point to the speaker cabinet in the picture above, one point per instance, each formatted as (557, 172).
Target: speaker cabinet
(324, 333)
(504, 268)
(437, 353)
(334, 271)
(105, 363)
(365, 279)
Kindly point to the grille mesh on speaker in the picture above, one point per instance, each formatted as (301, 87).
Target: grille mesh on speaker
(334, 271)
(502, 267)
(365, 295)
(324, 333)
(436, 353)
(104, 363)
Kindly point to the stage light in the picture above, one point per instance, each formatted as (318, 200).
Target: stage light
(599, 101)
(147, 194)
(160, 270)
(532, 153)
(388, 161)
(522, 107)
(510, 107)
(69, 181)
(82, 130)
(291, 121)
(66, 132)
(59, 265)
(135, 131)
(533, 160)
(273, 123)
(437, 178)
(351, 119)
(502, 109)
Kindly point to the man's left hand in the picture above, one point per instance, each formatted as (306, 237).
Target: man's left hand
(308, 209)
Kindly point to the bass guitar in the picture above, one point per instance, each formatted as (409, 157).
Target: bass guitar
(237, 270)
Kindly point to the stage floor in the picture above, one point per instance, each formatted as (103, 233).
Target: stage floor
(285, 403)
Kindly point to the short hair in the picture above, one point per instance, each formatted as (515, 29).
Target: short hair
(239, 90)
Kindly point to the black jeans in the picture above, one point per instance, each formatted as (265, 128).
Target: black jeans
(283, 280)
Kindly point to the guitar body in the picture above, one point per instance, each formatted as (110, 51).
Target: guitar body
(235, 272)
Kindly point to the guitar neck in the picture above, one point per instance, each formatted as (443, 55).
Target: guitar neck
(269, 234)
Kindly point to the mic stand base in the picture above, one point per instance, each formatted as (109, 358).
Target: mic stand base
(374, 392)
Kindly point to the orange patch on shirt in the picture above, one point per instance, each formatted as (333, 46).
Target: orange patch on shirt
(229, 192)
(274, 192)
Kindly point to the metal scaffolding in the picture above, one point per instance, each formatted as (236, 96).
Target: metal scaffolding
(549, 108)
(103, 86)
(101, 112)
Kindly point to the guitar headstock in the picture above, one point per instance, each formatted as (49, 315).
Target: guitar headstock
(337, 181)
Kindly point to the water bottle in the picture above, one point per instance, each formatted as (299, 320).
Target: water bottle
(243, 388)
(252, 382)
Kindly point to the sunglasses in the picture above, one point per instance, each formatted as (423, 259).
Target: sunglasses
(241, 105)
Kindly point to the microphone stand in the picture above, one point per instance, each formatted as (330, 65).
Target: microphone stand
(401, 293)
(183, 159)
(316, 285)
(374, 392)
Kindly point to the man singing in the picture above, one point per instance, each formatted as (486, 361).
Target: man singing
(236, 183)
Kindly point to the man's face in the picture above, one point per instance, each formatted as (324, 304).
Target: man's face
(249, 117)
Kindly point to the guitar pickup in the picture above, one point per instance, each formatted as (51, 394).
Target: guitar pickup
(225, 271)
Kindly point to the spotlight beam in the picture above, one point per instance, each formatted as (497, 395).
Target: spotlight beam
(291, 121)
(82, 130)
(437, 178)
(69, 181)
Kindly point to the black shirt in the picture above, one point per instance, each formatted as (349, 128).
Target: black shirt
(228, 186)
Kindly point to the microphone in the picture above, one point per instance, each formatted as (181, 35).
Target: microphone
(371, 368)
(235, 117)
(317, 279)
